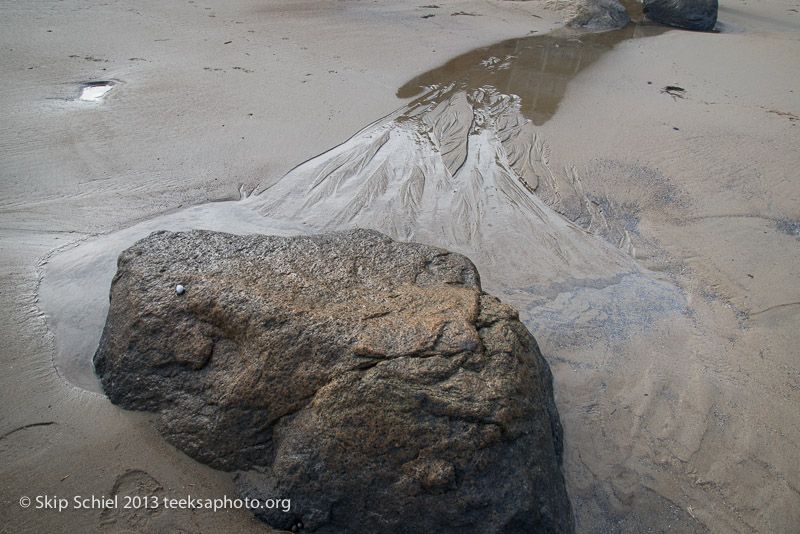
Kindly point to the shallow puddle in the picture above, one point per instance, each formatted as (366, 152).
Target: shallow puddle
(536, 68)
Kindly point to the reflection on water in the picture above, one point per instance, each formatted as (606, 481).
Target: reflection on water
(536, 68)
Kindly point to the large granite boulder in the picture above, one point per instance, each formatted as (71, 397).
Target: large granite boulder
(698, 15)
(370, 382)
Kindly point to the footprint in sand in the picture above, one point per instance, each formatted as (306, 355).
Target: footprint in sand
(133, 483)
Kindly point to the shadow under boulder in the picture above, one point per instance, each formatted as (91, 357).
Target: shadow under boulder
(369, 381)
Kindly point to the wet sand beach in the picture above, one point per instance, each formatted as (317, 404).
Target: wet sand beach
(649, 236)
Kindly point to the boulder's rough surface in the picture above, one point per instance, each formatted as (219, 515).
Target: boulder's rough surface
(597, 14)
(698, 15)
(370, 381)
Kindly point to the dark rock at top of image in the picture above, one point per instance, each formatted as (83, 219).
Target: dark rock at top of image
(700, 15)
(598, 14)
(369, 381)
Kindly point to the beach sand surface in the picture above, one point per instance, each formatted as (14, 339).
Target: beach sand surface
(674, 357)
